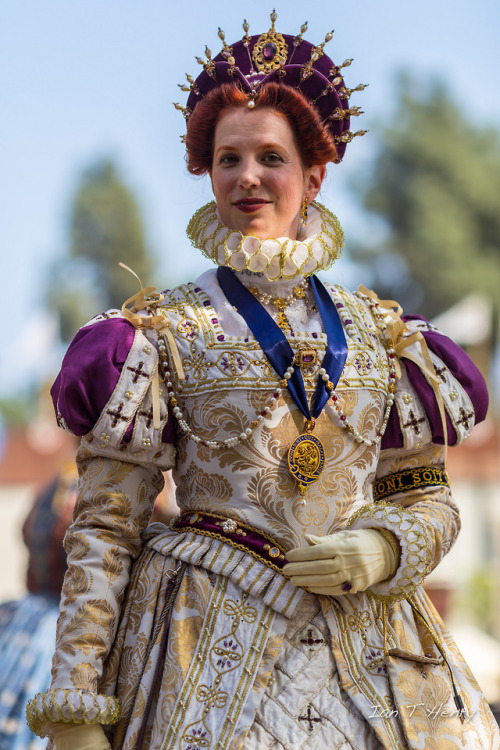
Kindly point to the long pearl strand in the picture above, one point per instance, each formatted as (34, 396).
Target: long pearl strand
(177, 412)
(322, 373)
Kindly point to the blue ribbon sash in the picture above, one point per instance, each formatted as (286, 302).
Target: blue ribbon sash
(275, 346)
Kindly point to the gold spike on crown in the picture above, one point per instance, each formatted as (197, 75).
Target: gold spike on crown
(271, 41)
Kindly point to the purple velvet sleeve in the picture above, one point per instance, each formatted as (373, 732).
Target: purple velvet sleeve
(464, 370)
(90, 372)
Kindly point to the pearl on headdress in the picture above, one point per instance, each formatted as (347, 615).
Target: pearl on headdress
(251, 104)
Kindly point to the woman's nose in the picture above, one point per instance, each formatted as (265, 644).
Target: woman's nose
(249, 174)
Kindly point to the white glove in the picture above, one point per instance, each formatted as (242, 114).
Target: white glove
(79, 737)
(342, 563)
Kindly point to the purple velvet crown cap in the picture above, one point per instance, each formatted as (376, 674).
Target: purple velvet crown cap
(316, 83)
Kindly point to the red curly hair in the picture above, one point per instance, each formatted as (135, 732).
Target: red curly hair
(313, 139)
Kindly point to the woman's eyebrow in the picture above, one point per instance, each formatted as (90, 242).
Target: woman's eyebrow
(273, 145)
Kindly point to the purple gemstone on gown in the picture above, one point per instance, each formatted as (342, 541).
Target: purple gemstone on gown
(269, 51)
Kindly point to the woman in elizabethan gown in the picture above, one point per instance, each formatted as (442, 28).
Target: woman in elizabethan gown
(306, 427)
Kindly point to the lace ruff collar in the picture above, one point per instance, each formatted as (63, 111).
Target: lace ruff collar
(276, 258)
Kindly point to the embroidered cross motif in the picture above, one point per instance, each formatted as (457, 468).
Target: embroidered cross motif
(232, 363)
(414, 422)
(138, 372)
(363, 364)
(310, 718)
(310, 641)
(439, 373)
(117, 415)
(465, 417)
(148, 416)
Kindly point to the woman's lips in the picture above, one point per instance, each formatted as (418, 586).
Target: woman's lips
(249, 205)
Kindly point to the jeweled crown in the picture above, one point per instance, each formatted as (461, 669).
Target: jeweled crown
(291, 60)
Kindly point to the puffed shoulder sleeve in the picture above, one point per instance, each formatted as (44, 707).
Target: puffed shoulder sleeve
(415, 419)
(104, 393)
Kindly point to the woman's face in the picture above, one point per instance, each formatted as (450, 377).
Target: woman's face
(258, 178)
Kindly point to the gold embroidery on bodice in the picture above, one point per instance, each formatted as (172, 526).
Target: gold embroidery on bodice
(229, 381)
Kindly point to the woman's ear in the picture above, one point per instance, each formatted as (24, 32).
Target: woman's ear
(314, 177)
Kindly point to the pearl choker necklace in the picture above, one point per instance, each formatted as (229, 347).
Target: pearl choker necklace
(274, 258)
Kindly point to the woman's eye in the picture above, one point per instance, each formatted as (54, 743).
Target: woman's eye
(272, 158)
(228, 159)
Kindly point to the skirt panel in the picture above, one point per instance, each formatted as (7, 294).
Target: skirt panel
(200, 663)
(304, 706)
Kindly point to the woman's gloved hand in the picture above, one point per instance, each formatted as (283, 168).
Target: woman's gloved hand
(345, 562)
(79, 737)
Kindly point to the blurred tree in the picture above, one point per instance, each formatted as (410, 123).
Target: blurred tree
(16, 411)
(435, 186)
(105, 228)
(478, 600)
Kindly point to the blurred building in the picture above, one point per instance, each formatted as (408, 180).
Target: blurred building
(31, 457)
(465, 587)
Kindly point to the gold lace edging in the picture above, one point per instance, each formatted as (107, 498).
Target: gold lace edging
(414, 548)
(391, 541)
(70, 706)
(275, 258)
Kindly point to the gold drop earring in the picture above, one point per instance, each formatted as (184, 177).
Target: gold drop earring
(303, 215)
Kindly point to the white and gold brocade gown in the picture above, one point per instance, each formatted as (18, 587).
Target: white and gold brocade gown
(211, 646)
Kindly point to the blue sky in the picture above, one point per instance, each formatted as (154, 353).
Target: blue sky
(91, 78)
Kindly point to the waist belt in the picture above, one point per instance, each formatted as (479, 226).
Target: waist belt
(240, 535)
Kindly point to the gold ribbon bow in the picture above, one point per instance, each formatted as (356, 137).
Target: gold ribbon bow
(141, 301)
(401, 337)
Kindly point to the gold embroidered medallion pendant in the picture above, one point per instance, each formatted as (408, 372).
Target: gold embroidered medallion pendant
(306, 459)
